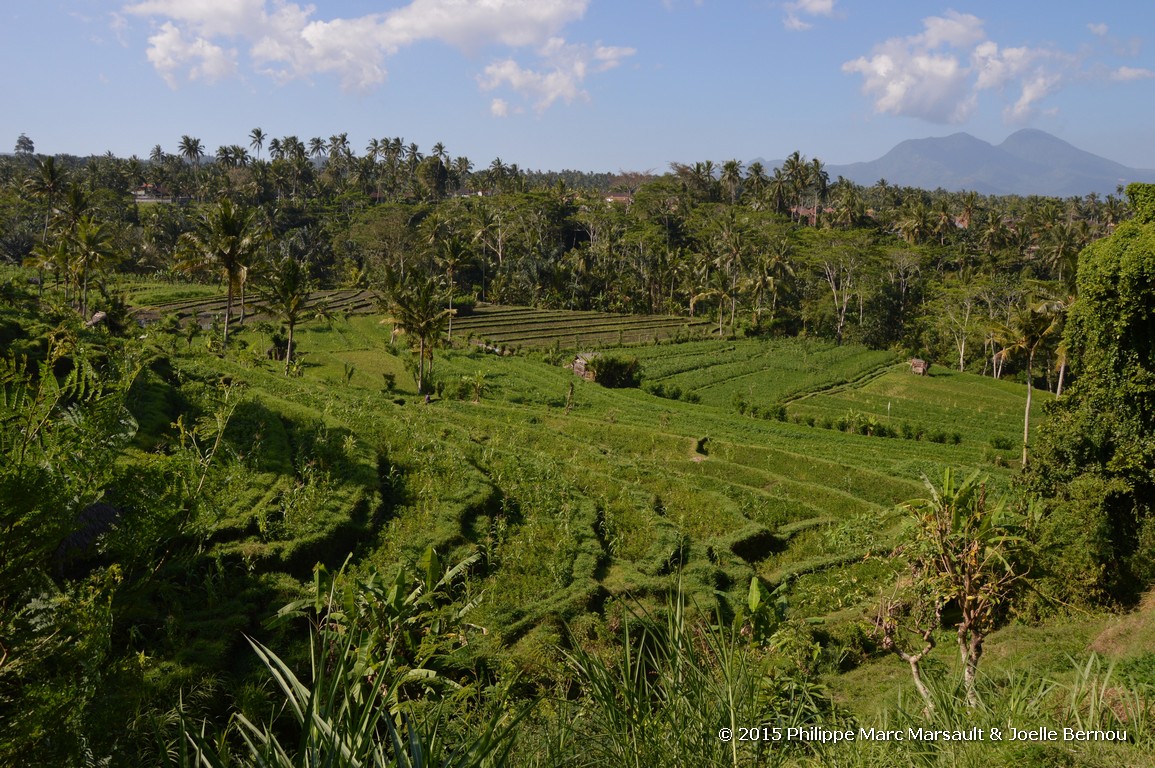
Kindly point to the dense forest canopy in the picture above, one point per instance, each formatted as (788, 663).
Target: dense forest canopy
(779, 251)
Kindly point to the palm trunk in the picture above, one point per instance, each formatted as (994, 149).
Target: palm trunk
(228, 315)
(449, 332)
(1027, 413)
(289, 350)
(421, 365)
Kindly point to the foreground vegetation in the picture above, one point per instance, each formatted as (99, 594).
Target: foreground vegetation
(275, 524)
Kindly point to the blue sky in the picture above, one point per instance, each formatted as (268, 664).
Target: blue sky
(588, 84)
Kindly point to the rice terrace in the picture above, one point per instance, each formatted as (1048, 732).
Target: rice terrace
(383, 460)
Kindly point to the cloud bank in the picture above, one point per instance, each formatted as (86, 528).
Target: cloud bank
(939, 74)
(202, 39)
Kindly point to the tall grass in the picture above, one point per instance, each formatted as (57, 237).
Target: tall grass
(664, 693)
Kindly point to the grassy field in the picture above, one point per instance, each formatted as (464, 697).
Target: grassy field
(985, 414)
(486, 324)
(623, 489)
(583, 500)
(759, 372)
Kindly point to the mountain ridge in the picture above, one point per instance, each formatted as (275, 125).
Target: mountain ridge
(1028, 162)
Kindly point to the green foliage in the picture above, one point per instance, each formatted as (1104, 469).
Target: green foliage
(966, 553)
(417, 310)
(669, 689)
(1112, 353)
(616, 372)
(370, 699)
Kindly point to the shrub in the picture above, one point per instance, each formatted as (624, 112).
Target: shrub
(616, 372)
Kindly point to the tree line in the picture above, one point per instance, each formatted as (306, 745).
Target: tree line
(964, 279)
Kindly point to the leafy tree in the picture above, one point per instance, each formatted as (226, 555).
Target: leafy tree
(966, 557)
(24, 146)
(1096, 451)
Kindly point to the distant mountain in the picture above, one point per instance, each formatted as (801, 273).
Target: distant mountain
(1029, 162)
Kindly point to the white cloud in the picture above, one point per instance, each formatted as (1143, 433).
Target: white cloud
(799, 8)
(939, 74)
(1123, 74)
(499, 108)
(284, 40)
(172, 52)
(912, 76)
(567, 66)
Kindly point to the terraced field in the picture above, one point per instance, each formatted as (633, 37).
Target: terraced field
(524, 327)
(759, 372)
(987, 414)
(489, 324)
(586, 496)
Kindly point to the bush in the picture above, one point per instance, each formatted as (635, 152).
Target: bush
(616, 372)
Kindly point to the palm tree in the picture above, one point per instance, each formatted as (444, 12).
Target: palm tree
(849, 207)
(339, 146)
(46, 184)
(452, 252)
(49, 257)
(731, 178)
(417, 311)
(1028, 328)
(1061, 246)
(778, 190)
(915, 224)
(776, 265)
(797, 172)
(285, 293)
(257, 141)
(820, 180)
(91, 246)
(192, 150)
(755, 186)
(226, 237)
(317, 147)
(462, 170)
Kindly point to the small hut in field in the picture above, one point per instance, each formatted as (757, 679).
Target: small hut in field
(581, 365)
(921, 367)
